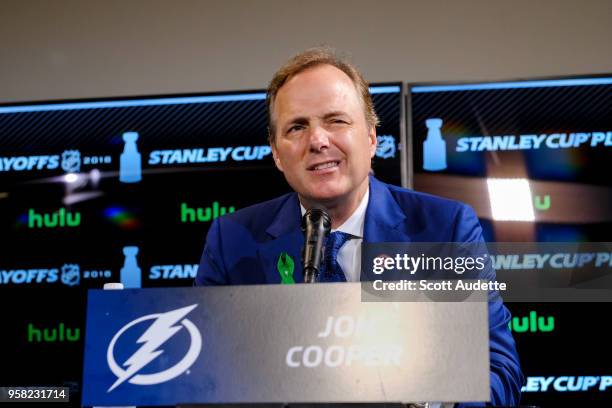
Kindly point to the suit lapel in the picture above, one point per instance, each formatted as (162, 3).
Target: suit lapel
(286, 237)
(384, 217)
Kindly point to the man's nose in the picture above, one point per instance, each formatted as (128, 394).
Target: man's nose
(319, 138)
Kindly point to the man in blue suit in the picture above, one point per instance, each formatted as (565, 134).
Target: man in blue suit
(323, 137)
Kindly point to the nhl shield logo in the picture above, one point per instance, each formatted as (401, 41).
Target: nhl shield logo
(385, 147)
(71, 161)
(71, 274)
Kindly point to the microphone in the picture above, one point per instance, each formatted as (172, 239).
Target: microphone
(316, 225)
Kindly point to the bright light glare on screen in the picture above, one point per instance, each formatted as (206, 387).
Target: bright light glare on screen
(94, 176)
(71, 177)
(510, 199)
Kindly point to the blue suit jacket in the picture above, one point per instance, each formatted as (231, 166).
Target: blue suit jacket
(243, 248)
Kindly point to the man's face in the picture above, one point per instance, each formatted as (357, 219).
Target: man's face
(323, 145)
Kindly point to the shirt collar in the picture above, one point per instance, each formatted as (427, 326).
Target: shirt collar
(355, 223)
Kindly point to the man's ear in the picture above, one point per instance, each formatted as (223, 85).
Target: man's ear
(373, 141)
(272, 142)
(275, 155)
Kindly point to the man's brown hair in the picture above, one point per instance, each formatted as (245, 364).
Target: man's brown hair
(311, 58)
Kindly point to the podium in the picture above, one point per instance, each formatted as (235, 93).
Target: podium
(280, 344)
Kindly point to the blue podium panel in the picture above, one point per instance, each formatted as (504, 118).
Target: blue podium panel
(280, 343)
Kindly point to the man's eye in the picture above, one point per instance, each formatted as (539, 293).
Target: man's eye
(295, 128)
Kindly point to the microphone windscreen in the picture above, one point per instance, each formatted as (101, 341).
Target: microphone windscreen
(314, 216)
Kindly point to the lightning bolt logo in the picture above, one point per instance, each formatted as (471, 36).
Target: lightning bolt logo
(165, 326)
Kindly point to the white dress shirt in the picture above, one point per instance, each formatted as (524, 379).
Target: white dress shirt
(349, 256)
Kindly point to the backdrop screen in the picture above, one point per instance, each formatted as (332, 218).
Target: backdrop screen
(124, 190)
(533, 159)
(536, 151)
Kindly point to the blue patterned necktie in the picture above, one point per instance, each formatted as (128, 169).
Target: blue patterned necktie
(330, 269)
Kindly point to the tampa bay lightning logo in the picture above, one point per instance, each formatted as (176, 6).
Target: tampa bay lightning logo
(71, 274)
(164, 327)
(385, 147)
(71, 161)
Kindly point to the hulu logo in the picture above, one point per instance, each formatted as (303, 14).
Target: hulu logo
(59, 334)
(532, 324)
(203, 214)
(541, 203)
(60, 218)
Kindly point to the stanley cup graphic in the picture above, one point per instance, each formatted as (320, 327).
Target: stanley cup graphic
(130, 274)
(434, 147)
(129, 163)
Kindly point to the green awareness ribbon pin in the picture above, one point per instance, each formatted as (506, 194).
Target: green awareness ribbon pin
(285, 268)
